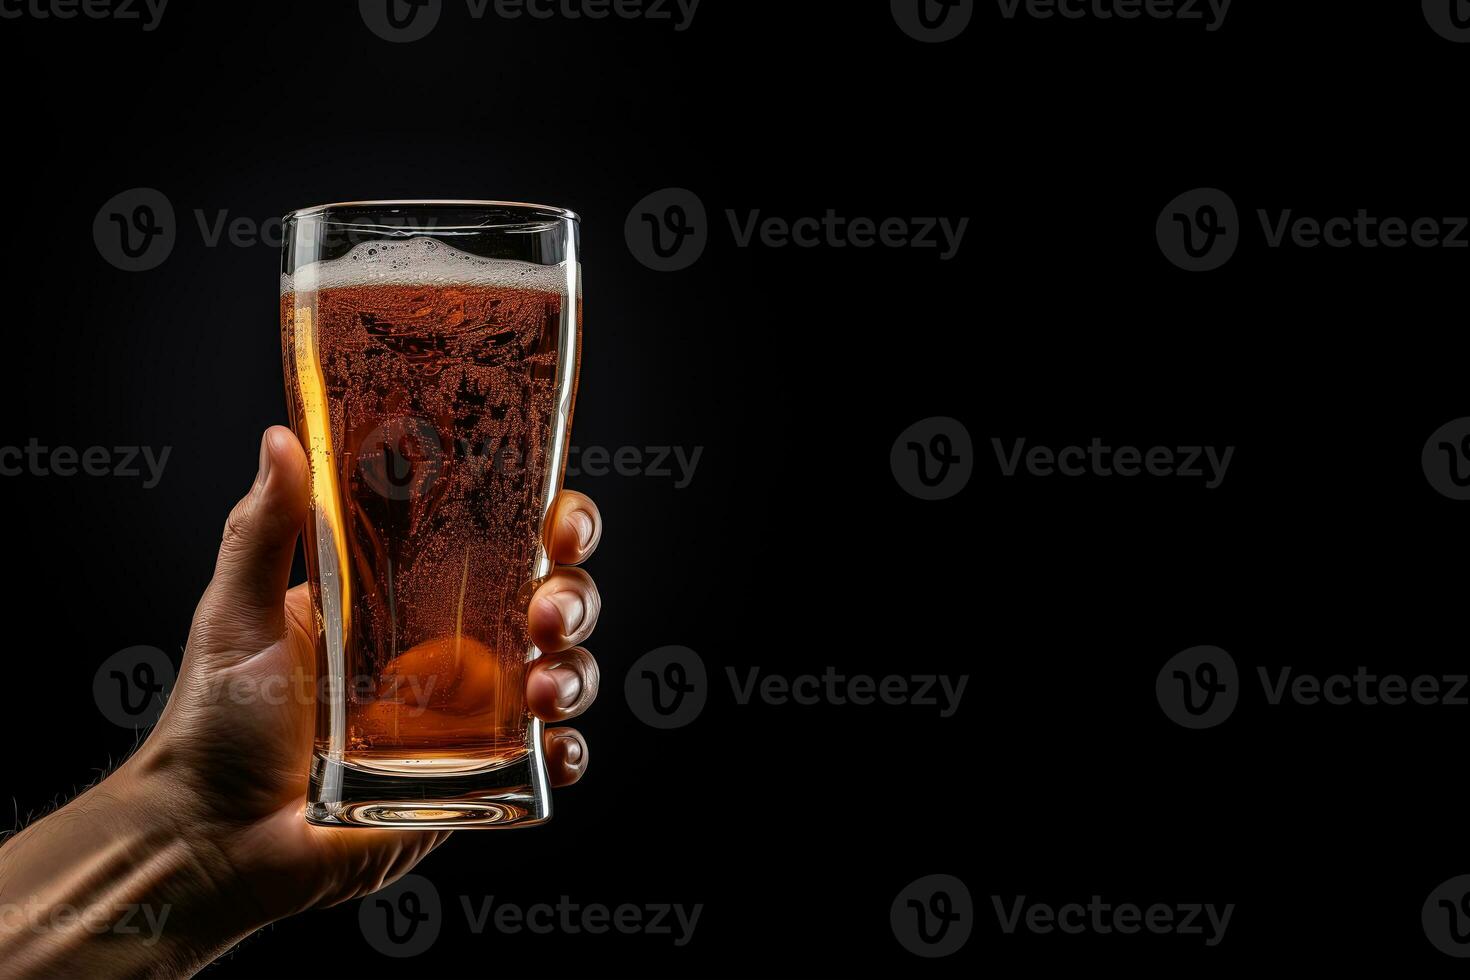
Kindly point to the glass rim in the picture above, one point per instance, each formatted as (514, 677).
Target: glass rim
(532, 210)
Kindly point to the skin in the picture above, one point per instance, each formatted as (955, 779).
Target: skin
(205, 822)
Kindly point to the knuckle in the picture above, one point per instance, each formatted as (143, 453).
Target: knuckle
(237, 525)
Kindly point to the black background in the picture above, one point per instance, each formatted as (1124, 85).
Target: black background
(795, 369)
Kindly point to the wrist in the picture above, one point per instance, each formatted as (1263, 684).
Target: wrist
(165, 817)
(119, 883)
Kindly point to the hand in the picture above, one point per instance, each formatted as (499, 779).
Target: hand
(224, 773)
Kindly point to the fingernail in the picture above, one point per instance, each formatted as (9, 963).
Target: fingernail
(582, 521)
(573, 754)
(568, 686)
(263, 471)
(572, 609)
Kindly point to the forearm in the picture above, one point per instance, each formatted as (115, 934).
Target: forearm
(108, 887)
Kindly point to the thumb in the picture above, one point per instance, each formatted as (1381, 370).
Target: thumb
(243, 608)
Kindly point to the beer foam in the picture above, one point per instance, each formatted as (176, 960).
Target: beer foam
(422, 262)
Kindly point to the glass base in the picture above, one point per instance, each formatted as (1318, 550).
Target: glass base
(510, 795)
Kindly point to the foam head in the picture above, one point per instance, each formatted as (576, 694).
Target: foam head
(422, 262)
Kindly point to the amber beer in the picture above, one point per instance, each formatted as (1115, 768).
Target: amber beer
(431, 373)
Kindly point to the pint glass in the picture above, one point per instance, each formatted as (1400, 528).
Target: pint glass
(430, 352)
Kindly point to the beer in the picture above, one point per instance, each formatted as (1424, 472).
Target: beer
(429, 388)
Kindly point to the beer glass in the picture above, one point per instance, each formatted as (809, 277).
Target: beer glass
(430, 352)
